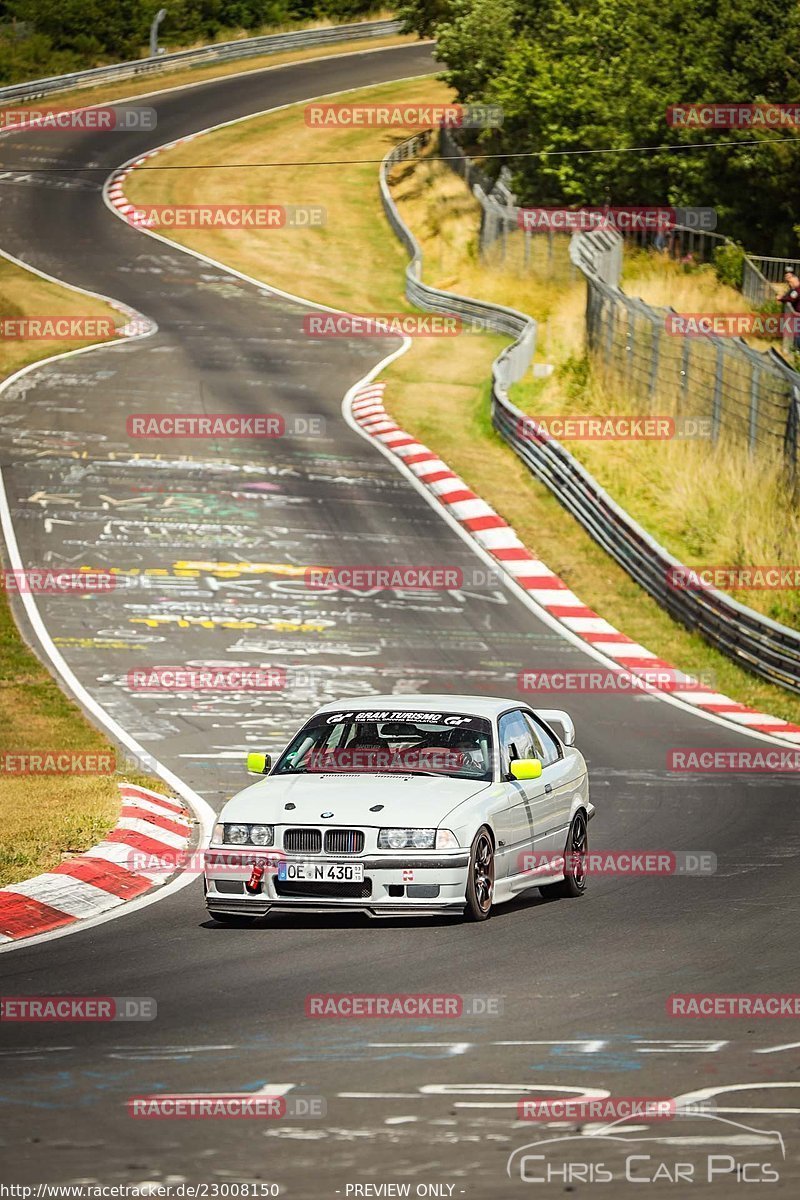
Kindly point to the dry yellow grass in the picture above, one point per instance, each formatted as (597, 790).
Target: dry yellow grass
(353, 261)
(23, 294)
(664, 283)
(707, 504)
(46, 818)
(437, 391)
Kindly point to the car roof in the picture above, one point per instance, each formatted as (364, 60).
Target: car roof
(475, 706)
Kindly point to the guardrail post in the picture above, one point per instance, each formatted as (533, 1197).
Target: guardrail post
(755, 384)
(612, 316)
(685, 362)
(716, 406)
(630, 341)
(791, 439)
(655, 353)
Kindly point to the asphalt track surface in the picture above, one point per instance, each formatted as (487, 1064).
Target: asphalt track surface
(584, 983)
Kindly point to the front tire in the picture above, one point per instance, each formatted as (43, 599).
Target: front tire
(574, 882)
(480, 880)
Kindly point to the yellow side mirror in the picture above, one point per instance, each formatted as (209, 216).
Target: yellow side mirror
(258, 764)
(526, 768)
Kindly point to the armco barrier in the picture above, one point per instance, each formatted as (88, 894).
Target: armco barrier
(512, 363)
(202, 56)
(754, 641)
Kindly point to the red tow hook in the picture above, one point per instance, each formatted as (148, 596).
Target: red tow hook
(254, 882)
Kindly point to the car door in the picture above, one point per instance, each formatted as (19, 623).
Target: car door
(515, 825)
(551, 814)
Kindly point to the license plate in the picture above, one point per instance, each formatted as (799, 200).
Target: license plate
(321, 872)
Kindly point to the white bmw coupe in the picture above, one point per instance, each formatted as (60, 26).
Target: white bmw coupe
(406, 805)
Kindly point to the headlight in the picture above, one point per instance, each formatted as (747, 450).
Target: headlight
(423, 839)
(243, 835)
(261, 835)
(236, 835)
(406, 839)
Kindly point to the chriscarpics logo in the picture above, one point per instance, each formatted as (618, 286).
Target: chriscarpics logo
(692, 1145)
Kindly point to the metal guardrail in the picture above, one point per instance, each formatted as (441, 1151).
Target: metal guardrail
(272, 43)
(512, 363)
(755, 642)
(751, 395)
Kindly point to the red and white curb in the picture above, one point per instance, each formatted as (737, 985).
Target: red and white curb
(101, 878)
(115, 190)
(499, 540)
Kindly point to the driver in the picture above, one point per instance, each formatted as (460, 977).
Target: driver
(469, 745)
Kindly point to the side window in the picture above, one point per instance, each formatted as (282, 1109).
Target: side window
(516, 740)
(548, 746)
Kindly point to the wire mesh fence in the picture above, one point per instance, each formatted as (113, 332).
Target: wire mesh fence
(754, 641)
(750, 395)
(735, 390)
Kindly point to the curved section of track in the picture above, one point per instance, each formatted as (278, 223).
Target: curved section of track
(584, 984)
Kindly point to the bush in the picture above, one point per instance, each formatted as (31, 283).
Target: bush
(729, 264)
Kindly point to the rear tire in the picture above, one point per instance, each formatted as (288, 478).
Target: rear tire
(574, 882)
(480, 880)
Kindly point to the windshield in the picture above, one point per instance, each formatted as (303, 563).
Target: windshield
(397, 743)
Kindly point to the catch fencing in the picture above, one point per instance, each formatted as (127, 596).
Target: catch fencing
(736, 390)
(755, 642)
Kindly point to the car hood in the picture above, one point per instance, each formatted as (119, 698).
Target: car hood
(408, 800)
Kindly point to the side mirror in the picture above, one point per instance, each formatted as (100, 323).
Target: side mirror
(526, 768)
(556, 716)
(259, 764)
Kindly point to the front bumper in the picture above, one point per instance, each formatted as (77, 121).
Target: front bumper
(394, 884)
